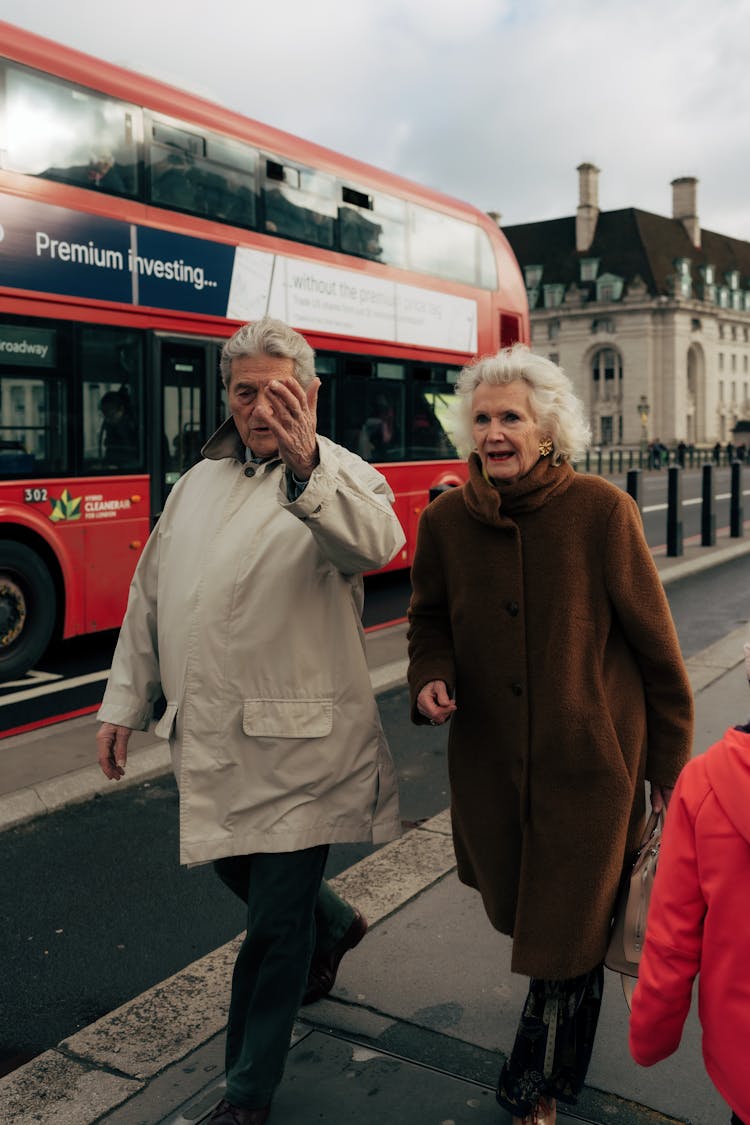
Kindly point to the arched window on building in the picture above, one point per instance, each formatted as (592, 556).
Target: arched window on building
(606, 397)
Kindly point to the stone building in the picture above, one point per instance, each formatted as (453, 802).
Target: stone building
(649, 316)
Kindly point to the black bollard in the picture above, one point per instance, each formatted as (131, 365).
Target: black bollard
(708, 508)
(736, 509)
(634, 486)
(674, 512)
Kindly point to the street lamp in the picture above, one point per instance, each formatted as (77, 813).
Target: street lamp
(644, 410)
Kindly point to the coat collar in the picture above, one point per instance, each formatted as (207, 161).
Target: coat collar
(492, 504)
(226, 442)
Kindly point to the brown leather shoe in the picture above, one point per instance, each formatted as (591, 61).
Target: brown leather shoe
(228, 1114)
(543, 1113)
(323, 968)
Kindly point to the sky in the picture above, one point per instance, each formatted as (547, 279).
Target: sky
(495, 102)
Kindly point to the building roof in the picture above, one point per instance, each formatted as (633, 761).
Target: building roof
(629, 243)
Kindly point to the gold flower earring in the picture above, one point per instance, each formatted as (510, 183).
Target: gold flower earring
(545, 447)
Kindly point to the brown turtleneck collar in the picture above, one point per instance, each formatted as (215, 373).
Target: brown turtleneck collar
(492, 503)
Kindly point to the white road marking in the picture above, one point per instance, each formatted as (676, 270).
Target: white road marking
(48, 689)
(40, 677)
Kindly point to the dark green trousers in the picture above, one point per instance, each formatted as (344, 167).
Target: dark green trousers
(333, 915)
(281, 890)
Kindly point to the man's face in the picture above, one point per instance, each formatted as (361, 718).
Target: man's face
(247, 389)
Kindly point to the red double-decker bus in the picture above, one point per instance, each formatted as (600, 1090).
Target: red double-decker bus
(139, 226)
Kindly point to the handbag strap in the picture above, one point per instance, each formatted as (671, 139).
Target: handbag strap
(654, 823)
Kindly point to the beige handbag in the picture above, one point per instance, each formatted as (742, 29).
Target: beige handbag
(631, 909)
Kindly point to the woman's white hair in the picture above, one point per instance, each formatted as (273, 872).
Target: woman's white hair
(557, 409)
(269, 337)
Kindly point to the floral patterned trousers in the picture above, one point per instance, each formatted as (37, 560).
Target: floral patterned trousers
(554, 1041)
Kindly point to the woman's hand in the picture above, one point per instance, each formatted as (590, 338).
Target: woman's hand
(661, 795)
(434, 702)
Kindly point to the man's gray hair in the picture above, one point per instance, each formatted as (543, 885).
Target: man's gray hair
(269, 337)
(557, 409)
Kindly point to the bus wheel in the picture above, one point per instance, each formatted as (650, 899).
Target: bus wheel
(27, 609)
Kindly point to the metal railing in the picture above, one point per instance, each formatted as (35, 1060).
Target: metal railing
(620, 459)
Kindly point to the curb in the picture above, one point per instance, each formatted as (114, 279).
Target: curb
(699, 563)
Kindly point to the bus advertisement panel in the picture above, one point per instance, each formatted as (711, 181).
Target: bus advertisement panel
(75, 254)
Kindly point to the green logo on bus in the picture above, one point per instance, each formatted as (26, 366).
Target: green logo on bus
(66, 507)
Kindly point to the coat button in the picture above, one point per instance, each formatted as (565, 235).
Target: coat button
(517, 689)
(512, 608)
(249, 470)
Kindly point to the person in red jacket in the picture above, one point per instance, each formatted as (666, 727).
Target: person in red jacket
(698, 921)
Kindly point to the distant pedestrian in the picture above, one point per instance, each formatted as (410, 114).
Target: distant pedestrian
(245, 611)
(699, 922)
(681, 453)
(118, 433)
(540, 628)
(717, 453)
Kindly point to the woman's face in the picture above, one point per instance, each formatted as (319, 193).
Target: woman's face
(506, 435)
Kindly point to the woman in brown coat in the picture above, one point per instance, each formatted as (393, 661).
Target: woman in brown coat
(539, 626)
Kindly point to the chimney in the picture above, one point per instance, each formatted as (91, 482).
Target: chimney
(588, 205)
(685, 207)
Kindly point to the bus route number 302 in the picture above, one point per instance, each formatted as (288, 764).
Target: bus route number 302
(34, 495)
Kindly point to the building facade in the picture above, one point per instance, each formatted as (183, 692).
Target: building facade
(649, 316)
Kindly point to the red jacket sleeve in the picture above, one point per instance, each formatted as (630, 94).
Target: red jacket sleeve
(674, 935)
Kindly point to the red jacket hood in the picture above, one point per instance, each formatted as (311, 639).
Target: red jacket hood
(728, 769)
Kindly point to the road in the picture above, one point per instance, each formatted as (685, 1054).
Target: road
(97, 908)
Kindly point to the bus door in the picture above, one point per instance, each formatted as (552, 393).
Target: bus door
(187, 411)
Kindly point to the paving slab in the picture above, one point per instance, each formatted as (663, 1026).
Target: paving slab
(726, 704)
(440, 965)
(330, 1080)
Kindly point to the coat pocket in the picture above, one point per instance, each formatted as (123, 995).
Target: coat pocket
(287, 718)
(165, 727)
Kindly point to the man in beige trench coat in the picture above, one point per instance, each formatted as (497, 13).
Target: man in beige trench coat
(245, 612)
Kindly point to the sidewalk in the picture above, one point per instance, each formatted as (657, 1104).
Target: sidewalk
(422, 1009)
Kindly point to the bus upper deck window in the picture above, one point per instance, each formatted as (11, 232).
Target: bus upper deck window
(442, 245)
(62, 132)
(299, 203)
(373, 225)
(206, 174)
